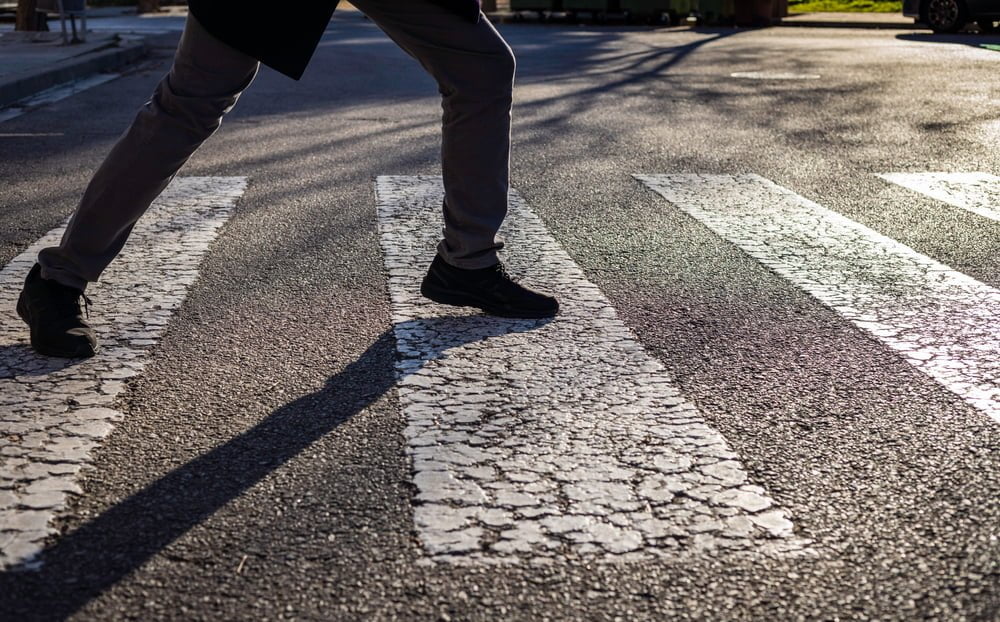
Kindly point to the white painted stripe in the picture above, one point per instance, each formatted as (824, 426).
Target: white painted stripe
(534, 440)
(138, 30)
(978, 193)
(54, 94)
(54, 412)
(941, 321)
(774, 75)
(30, 134)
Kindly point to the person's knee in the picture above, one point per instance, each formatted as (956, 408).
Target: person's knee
(199, 116)
(503, 66)
(506, 65)
(489, 77)
(195, 96)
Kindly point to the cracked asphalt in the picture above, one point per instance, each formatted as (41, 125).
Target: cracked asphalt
(261, 468)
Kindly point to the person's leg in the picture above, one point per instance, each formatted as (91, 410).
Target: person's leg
(474, 69)
(186, 108)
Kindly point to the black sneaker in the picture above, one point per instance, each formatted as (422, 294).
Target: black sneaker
(490, 289)
(52, 311)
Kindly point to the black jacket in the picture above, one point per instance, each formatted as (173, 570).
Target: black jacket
(281, 37)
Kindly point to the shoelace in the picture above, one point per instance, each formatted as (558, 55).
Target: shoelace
(68, 297)
(502, 272)
(506, 283)
(86, 305)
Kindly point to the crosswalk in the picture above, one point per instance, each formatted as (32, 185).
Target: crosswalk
(978, 193)
(529, 440)
(551, 439)
(55, 412)
(941, 321)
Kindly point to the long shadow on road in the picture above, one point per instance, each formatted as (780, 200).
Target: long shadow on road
(84, 563)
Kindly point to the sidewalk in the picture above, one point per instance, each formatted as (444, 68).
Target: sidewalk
(116, 37)
(35, 61)
(850, 20)
(813, 20)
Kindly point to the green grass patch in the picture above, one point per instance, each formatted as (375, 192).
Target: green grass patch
(846, 6)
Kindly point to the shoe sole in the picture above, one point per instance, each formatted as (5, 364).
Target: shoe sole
(459, 299)
(22, 312)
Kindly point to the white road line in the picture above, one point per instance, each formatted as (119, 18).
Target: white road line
(54, 412)
(30, 134)
(978, 193)
(54, 94)
(774, 75)
(138, 30)
(941, 321)
(535, 440)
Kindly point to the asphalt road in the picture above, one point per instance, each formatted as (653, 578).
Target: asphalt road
(261, 469)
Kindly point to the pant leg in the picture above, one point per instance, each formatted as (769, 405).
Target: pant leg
(474, 69)
(186, 108)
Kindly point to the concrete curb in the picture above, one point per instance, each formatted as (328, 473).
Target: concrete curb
(510, 17)
(72, 69)
(869, 25)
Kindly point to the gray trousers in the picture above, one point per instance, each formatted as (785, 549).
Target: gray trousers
(474, 69)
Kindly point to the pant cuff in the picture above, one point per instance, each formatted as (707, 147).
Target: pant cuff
(64, 278)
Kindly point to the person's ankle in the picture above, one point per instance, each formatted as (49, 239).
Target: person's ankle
(54, 317)
(490, 289)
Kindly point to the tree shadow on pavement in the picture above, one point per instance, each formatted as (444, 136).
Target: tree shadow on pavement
(133, 531)
(626, 70)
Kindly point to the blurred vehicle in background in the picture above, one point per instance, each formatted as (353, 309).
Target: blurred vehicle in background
(953, 15)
